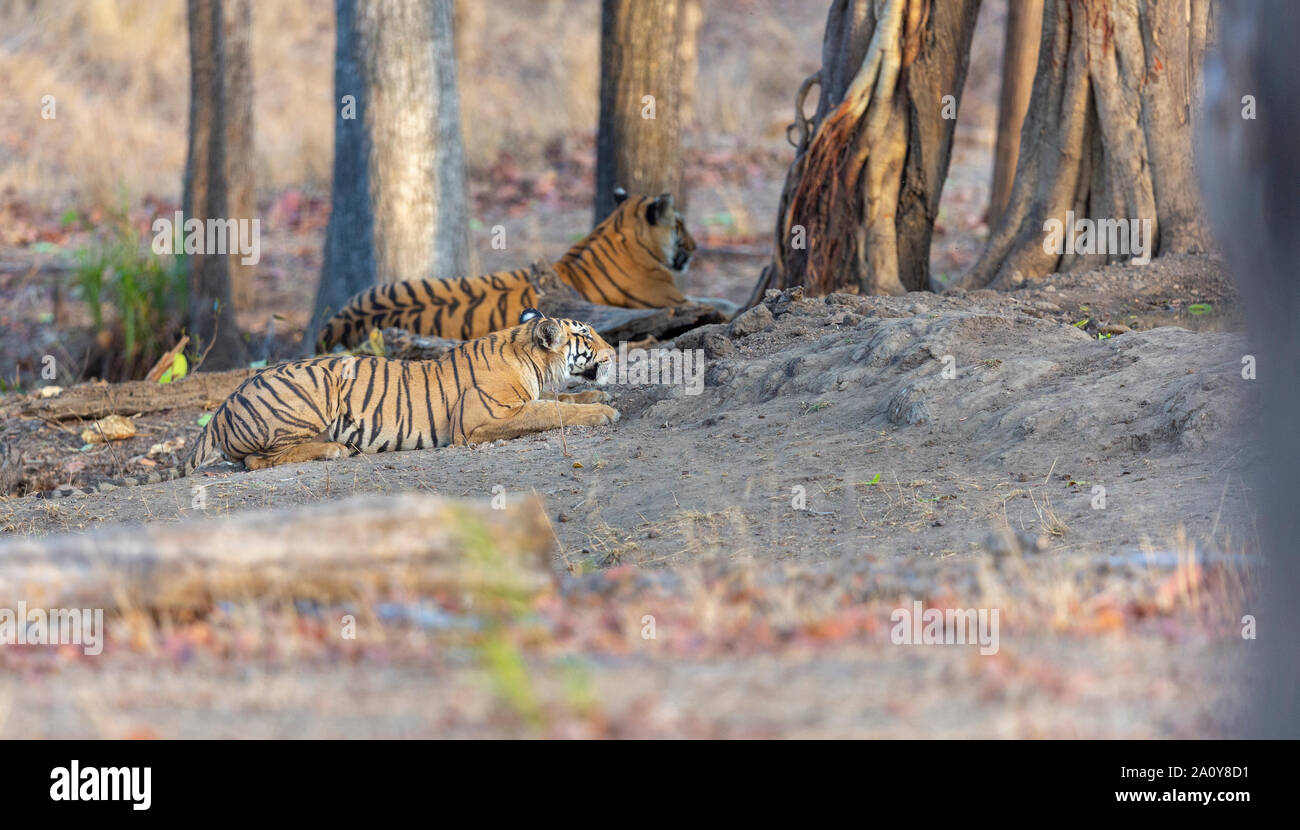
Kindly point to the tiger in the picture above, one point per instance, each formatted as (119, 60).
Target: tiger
(494, 387)
(630, 260)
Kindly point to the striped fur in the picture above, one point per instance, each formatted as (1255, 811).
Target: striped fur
(630, 260)
(327, 407)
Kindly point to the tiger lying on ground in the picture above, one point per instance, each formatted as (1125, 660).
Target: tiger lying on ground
(327, 407)
(630, 260)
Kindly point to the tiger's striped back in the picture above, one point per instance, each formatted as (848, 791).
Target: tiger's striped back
(460, 309)
(632, 260)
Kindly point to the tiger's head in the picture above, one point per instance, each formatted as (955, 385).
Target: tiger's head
(634, 258)
(568, 348)
(659, 225)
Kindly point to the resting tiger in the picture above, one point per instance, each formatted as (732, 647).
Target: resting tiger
(630, 260)
(327, 407)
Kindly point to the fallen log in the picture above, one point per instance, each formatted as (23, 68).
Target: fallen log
(558, 299)
(329, 552)
(403, 345)
(90, 401)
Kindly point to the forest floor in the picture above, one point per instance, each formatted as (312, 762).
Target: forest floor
(829, 472)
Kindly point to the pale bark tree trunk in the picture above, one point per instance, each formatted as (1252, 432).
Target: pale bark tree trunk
(1107, 137)
(240, 167)
(400, 196)
(688, 57)
(638, 58)
(1019, 58)
(859, 203)
(1249, 168)
(212, 318)
(418, 182)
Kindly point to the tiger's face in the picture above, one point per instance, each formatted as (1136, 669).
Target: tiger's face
(659, 226)
(572, 349)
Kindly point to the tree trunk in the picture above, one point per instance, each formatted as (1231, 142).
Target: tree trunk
(859, 203)
(399, 201)
(419, 187)
(240, 167)
(688, 58)
(638, 144)
(1019, 57)
(212, 316)
(1249, 168)
(1106, 139)
(348, 265)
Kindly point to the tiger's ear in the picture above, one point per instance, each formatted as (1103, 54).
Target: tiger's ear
(529, 314)
(549, 334)
(659, 208)
(620, 195)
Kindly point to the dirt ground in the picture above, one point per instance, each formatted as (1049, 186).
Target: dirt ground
(846, 457)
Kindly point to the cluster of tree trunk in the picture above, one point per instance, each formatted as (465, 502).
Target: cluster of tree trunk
(1107, 136)
(399, 200)
(1102, 133)
(859, 201)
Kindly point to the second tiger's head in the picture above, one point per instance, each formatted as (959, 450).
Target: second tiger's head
(574, 348)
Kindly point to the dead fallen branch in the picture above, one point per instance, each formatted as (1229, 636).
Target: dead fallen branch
(363, 546)
(556, 299)
(89, 401)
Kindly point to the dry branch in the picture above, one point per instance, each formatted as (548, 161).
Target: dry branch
(556, 299)
(329, 552)
(89, 401)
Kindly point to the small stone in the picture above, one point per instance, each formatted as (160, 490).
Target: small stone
(563, 517)
(755, 320)
(109, 428)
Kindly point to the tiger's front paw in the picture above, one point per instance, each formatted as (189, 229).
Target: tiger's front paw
(598, 415)
(586, 396)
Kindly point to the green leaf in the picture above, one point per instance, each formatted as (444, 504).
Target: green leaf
(204, 418)
(1198, 309)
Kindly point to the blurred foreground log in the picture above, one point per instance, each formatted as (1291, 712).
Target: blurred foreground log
(412, 542)
(89, 401)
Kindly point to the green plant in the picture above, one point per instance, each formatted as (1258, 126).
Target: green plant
(136, 296)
